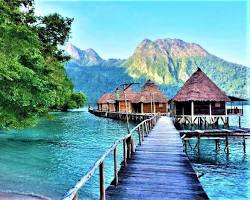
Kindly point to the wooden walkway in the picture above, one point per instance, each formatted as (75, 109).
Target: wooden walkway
(159, 169)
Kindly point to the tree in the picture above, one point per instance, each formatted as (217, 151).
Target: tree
(33, 80)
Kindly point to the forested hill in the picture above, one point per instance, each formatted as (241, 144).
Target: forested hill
(33, 80)
(168, 62)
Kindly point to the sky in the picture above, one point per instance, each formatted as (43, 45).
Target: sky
(114, 28)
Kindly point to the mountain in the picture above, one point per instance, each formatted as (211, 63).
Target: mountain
(168, 62)
(87, 57)
(162, 60)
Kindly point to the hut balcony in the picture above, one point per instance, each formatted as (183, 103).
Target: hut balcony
(235, 111)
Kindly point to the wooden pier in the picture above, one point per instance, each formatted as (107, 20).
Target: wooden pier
(136, 117)
(220, 134)
(157, 169)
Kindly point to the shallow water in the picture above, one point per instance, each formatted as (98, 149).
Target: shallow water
(50, 158)
(225, 176)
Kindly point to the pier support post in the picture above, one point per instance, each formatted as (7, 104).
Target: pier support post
(198, 144)
(239, 122)
(227, 145)
(217, 144)
(244, 144)
(185, 145)
(102, 182)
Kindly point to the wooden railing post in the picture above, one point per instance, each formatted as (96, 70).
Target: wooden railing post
(147, 126)
(75, 197)
(102, 181)
(132, 146)
(124, 153)
(142, 132)
(115, 167)
(139, 132)
(129, 150)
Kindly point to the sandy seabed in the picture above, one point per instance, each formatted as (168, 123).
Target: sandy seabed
(17, 196)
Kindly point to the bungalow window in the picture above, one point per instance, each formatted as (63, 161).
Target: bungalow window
(160, 105)
(217, 104)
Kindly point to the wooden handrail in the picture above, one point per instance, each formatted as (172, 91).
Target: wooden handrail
(143, 129)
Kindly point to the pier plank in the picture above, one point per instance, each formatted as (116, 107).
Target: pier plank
(159, 169)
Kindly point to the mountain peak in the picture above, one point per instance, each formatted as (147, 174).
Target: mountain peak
(173, 47)
(161, 60)
(180, 49)
(86, 57)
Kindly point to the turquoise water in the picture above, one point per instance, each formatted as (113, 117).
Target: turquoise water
(225, 177)
(50, 158)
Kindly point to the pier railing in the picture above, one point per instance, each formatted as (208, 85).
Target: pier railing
(142, 129)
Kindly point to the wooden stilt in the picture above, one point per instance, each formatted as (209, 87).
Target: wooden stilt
(198, 143)
(185, 145)
(217, 145)
(239, 122)
(244, 144)
(102, 182)
(227, 145)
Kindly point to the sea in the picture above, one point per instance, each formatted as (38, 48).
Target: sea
(48, 159)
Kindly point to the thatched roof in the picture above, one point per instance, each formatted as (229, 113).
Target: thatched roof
(200, 88)
(130, 95)
(232, 98)
(107, 98)
(150, 92)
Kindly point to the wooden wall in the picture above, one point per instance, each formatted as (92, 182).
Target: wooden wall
(147, 108)
(123, 106)
(186, 105)
(106, 107)
(200, 108)
(159, 107)
(133, 107)
(218, 108)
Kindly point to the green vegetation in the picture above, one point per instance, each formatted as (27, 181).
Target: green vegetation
(33, 80)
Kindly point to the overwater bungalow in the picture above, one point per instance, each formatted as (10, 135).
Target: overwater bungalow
(200, 101)
(148, 100)
(107, 102)
(125, 99)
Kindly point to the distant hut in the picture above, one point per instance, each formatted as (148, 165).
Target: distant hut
(201, 100)
(125, 98)
(150, 99)
(107, 102)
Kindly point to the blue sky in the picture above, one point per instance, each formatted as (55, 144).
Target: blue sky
(115, 28)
